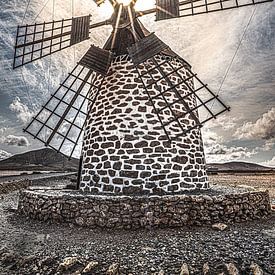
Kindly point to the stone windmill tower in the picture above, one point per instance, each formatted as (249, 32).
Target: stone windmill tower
(135, 104)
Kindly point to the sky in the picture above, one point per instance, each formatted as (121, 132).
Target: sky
(208, 42)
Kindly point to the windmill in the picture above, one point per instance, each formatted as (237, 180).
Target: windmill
(135, 105)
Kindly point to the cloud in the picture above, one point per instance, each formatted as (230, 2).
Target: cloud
(263, 128)
(210, 138)
(4, 154)
(222, 153)
(15, 140)
(269, 163)
(22, 111)
(226, 122)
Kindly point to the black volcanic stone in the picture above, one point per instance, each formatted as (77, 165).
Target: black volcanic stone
(129, 174)
(147, 150)
(107, 164)
(173, 188)
(160, 149)
(105, 157)
(91, 172)
(102, 172)
(130, 86)
(145, 174)
(161, 160)
(129, 138)
(99, 152)
(186, 185)
(149, 161)
(108, 188)
(96, 178)
(117, 165)
(163, 183)
(138, 133)
(112, 173)
(118, 181)
(86, 178)
(133, 161)
(114, 158)
(90, 153)
(157, 177)
(154, 143)
(127, 145)
(177, 167)
(106, 179)
(167, 166)
(188, 167)
(137, 182)
(99, 166)
(139, 156)
(95, 146)
(95, 159)
(180, 159)
(107, 145)
(193, 173)
(147, 137)
(132, 151)
(150, 185)
(112, 138)
(142, 109)
(87, 160)
(173, 175)
(140, 167)
(89, 166)
(141, 144)
(156, 166)
(116, 111)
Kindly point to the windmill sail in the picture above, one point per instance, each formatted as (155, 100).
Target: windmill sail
(166, 9)
(42, 39)
(168, 81)
(60, 122)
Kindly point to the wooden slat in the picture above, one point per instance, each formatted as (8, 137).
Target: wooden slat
(146, 48)
(97, 59)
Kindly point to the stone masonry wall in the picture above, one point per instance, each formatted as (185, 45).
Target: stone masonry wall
(138, 212)
(125, 151)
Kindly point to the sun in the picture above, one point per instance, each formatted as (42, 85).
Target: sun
(124, 2)
(145, 5)
(106, 8)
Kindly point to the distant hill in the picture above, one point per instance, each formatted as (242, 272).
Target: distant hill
(43, 159)
(237, 166)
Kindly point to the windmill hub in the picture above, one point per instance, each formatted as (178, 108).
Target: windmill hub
(123, 16)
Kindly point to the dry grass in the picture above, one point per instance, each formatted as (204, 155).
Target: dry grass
(256, 181)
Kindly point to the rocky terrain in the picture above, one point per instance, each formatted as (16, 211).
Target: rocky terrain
(32, 247)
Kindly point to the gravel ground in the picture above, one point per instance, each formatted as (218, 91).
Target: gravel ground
(32, 247)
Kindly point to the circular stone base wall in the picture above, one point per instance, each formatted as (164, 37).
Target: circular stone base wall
(138, 212)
